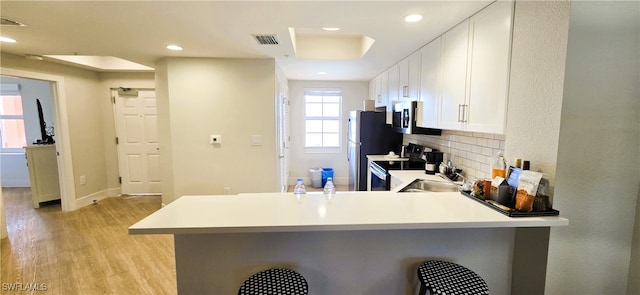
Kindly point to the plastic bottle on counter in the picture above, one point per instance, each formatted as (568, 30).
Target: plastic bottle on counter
(499, 167)
(329, 188)
(299, 188)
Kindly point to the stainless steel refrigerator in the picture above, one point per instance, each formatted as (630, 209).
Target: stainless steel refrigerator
(368, 134)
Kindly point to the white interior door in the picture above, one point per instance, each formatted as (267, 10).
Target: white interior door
(138, 148)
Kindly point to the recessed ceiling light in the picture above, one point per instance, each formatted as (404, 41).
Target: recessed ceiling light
(331, 29)
(7, 40)
(322, 73)
(174, 47)
(413, 18)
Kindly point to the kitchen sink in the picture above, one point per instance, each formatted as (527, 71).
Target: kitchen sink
(423, 185)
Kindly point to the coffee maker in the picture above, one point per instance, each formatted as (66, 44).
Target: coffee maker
(434, 158)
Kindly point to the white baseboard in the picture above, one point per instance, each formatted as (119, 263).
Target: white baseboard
(97, 196)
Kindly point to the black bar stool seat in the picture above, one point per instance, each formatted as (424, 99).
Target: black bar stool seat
(443, 277)
(275, 281)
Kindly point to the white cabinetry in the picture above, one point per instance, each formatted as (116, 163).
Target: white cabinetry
(43, 173)
(475, 71)
(393, 75)
(455, 44)
(375, 93)
(490, 48)
(430, 83)
(409, 77)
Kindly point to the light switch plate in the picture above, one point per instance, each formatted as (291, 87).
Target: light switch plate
(215, 139)
(256, 140)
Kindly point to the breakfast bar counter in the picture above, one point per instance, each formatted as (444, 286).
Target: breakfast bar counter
(350, 243)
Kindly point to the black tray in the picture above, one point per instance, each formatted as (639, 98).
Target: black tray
(513, 212)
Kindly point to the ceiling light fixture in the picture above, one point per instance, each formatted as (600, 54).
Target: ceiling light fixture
(413, 18)
(331, 29)
(7, 40)
(174, 47)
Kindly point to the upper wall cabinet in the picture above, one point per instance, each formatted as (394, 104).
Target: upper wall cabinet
(409, 77)
(378, 89)
(429, 83)
(475, 71)
(455, 44)
(393, 75)
(489, 64)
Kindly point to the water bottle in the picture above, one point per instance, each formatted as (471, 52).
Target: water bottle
(329, 188)
(299, 188)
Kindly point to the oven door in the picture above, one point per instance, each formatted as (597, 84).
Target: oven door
(380, 179)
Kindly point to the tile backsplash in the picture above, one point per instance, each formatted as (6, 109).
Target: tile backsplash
(470, 151)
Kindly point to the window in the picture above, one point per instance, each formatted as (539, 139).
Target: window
(322, 118)
(12, 131)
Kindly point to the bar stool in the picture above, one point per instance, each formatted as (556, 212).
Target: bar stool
(443, 277)
(275, 281)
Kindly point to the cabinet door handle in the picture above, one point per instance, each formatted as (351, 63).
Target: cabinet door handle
(464, 113)
(379, 98)
(460, 111)
(405, 91)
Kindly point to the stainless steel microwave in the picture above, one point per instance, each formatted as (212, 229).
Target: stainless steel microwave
(406, 115)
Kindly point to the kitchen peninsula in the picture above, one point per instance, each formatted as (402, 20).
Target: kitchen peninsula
(351, 243)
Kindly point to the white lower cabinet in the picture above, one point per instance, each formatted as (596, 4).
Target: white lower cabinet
(43, 173)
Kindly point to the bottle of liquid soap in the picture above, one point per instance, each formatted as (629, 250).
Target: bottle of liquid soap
(499, 167)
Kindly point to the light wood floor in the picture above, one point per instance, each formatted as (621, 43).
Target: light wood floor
(87, 251)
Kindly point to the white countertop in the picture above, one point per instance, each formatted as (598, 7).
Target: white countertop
(283, 212)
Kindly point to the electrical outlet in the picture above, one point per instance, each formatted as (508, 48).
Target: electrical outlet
(83, 180)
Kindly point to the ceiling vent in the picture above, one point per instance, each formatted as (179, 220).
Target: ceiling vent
(266, 39)
(8, 22)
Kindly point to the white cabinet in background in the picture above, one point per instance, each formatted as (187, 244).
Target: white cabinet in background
(430, 83)
(455, 44)
(43, 173)
(372, 89)
(409, 77)
(393, 75)
(475, 71)
(490, 55)
(382, 91)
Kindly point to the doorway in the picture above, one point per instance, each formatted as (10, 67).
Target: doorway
(137, 139)
(59, 121)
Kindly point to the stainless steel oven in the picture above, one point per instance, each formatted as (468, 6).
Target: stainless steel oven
(380, 176)
(380, 179)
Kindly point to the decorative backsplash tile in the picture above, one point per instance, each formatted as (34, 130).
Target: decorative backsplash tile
(470, 151)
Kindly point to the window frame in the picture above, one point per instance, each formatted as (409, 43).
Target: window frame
(323, 92)
(12, 90)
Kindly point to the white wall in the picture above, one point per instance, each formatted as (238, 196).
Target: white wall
(14, 170)
(353, 95)
(234, 98)
(598, 175)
